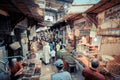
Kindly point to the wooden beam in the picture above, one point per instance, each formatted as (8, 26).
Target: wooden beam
(103, 5)
(96, 6)
(92, 18)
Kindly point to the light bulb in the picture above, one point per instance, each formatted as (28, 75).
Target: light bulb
(95, 39)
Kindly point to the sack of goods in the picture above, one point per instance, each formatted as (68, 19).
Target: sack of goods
(15, 45)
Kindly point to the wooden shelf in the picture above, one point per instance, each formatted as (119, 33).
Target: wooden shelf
(109, 32)
(109, 29)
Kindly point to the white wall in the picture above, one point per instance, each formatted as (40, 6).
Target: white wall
(110, 49)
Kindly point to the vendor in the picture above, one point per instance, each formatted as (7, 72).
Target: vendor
(15, 69)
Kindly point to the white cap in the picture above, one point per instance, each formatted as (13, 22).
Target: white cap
(14, 60)
(59, 63)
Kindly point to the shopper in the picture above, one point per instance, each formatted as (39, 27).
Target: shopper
(58, 47)
(15, 68)
(51, 45)
(91, 73)
(52, 53)
(34, 45)
(57, 50)
(61, 74)
(46, 53)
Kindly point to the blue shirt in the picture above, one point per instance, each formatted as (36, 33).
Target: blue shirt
(61, 75)
(51, 46)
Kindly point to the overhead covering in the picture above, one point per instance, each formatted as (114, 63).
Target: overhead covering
(78, 2)
(103, 5)
(78, 9)
(53, 5)
(80, 6)
(95, 6)
(30, 8)
(57, 5)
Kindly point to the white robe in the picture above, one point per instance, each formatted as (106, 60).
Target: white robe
(46, 54)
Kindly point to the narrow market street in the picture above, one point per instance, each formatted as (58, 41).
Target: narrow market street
(59, 39)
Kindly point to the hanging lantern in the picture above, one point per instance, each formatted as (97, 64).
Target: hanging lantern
(71, 35)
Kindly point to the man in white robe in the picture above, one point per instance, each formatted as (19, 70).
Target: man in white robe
(46, 53)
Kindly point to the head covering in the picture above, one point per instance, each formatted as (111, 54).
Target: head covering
(14, 60)
(59, 63)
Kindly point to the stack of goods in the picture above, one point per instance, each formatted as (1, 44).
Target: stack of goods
(107, 58)
(25, 63)
(114, 65)
(38, 67)
(69, 48)
(117, 58)
(37, 71)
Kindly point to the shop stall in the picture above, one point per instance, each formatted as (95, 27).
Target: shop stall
(32, 67)
(101, 42)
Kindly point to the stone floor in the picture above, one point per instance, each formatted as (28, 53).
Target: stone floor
(48, 70)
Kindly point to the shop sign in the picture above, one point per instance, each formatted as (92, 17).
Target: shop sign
(113, 13)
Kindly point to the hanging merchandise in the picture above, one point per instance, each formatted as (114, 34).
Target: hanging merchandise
(93, 31)
(33, 30)
(30, 36)
(77, 31)
(68, 29)
(70, 33)
(15, 45)
(84, 41)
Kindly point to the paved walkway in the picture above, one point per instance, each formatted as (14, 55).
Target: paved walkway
(48, 70)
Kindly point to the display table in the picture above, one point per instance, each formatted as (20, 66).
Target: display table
(33, 69)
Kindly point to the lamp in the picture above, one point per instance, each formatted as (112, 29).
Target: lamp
(95, 39)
